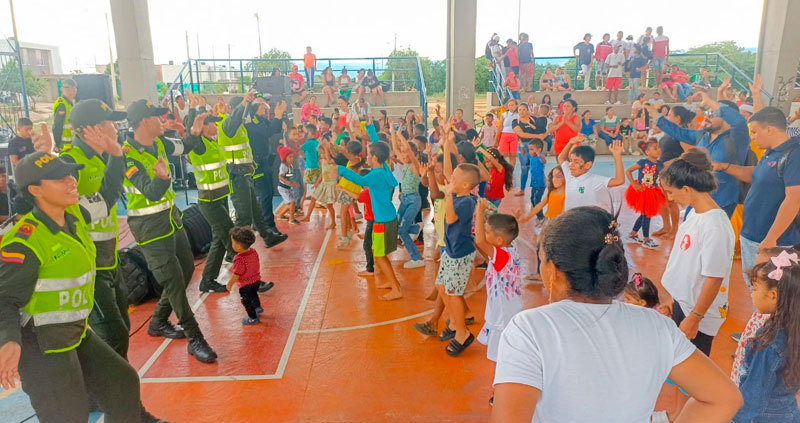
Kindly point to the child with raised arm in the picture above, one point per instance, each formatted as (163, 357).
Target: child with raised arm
(503, 281)
(324, 185)
(582, 187)
(410, 200)
(380, 182)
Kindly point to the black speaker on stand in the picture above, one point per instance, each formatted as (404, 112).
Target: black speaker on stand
(95, 85)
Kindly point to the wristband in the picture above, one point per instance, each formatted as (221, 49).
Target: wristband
(698, 315)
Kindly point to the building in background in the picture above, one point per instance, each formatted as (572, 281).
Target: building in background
(42, 59)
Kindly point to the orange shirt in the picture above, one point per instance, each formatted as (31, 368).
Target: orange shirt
(310, 60)
(555, 205)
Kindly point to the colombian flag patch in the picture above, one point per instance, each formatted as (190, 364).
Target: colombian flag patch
(10, 257)
(131, 171)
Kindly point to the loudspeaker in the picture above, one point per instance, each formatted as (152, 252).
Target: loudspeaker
(95, 85)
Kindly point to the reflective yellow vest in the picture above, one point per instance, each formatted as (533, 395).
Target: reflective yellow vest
(64, 293)
(236, 149)
(66, 133)
(138, 204)
(210, 172)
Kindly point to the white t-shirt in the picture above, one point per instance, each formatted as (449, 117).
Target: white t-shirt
(589, 189)
(593, 362)
(508, 118)
(703, 248)
(488, 134)
(616, 59)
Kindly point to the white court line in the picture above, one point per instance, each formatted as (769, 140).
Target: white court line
(287, 350)
(370, 325)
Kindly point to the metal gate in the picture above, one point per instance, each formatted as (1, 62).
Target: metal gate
(13, 100)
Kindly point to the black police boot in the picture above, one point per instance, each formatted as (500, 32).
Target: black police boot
(274, 238)
(229, 257)
(199, 348)
(264, 286)
(211, 285)
(166, 329)
(146, 417)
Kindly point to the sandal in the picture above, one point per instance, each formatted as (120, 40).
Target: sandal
(425, 329)
(454, 349)
(447, 334)
(468, 321)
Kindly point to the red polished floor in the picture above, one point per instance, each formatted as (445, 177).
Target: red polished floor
(350, 357)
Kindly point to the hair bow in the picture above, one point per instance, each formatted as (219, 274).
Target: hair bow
(638, 279)
(780, 261)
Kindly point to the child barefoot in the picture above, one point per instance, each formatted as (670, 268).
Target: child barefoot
(553, 198)
(324, 186)
(503, 282)
(287, 184)
(246, 272)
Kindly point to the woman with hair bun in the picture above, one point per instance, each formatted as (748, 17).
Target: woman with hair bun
(699, 266)
(587, 357)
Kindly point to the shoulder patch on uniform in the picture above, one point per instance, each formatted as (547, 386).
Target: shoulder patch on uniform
(131, 171)
(11, 257)
(26, 229)
(62, 112)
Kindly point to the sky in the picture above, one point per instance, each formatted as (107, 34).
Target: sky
(344, 28)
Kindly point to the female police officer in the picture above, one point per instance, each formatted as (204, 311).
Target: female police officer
(47, 271)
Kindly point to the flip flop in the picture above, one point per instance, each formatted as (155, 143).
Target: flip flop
(425, 329)
(454, 349)
(447, 335)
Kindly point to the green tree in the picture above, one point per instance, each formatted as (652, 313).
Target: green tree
(271, 59)
(10, 81)
(741, 58)
(481, 74)
(435, 74)
(119, 82)
(401, 72)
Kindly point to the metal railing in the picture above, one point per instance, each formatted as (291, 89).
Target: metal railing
(718, 66)
(423, 92)
(13, 101)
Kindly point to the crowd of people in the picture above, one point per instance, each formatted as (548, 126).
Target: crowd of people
(717, 172)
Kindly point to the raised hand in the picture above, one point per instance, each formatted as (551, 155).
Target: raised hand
(160, 169)
(248, 97)
(756, 85)
(616, 149)
(197, 125)
(102, 139)
(280, 109)
(193, 103)
(43, 142)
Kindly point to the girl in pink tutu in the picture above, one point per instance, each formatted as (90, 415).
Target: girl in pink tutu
(644, 195)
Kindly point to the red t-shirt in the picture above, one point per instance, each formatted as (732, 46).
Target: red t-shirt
(513, 57)
(501, 257)
(247, 266)
(363, 197)
(660, 46)
(297, 80)
(602, 51)
(680, 77)
(564, 134)
(494, 189)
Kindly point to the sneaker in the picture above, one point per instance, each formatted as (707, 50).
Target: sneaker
(265, 286)
(259, 310)
(229, 257)
(659, 417)
(146, 417)
(294, 222)
(618, 103)
(634, 238)
(736, 336)
(650, 243)
(283, 218)
(483, 265)
(199, 348)
(212, 286)
(166, 330)
(636, 153)
(413, 264)
(274, 239)
(607, 102)
(248, 321)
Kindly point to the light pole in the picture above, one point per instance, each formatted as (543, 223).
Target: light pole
(23, 91)
(258, 27)
(519, 17)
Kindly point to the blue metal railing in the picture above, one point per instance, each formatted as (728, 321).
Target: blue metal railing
(423, 92)
(719, 68)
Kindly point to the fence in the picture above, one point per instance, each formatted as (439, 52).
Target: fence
(13, 100)
(718, 66)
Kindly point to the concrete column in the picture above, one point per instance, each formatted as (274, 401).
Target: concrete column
(137, 71)
(462, 16)
(779, 51)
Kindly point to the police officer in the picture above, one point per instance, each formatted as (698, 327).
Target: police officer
(235, 145)
(264, 133)
(157, 224)
(62, 107)
(213, 189)
(47, 280)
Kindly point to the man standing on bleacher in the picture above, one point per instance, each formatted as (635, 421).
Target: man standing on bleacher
(157, 224)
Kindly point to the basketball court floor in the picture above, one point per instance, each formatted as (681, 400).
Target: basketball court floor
(327, 350)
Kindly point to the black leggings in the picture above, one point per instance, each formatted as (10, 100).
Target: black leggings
(701, 341)
(642, 222)
(250, 301)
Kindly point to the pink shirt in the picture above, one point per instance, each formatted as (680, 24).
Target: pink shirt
(307, 110)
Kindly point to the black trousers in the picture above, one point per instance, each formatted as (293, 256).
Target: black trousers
(368, 246)
(250, 301)
(701, 341)
(60, 384)
(265, 189)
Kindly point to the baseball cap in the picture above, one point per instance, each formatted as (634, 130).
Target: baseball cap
(746, 108)
(39, 166)
(235, 101)
(69, 82)
(92, 111)
(211, 119)
(294, 67)
(141, 109)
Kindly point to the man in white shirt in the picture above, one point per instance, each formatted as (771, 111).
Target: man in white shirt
(584, 188)
(615, 63)
(488, 131)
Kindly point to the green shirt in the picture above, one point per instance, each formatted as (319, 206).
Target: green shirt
(409, 183)
(18, 277)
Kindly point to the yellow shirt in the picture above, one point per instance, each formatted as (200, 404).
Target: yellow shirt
(347, 185)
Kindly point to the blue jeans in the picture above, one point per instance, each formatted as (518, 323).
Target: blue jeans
(749, 252)
(409, 207)
(310, 76)
(684, 90)
(515, 94)
(524, 163)
(482, 190)
(536, 197)
(634, 88)
(495, 201)
(549, 141)
(607, 138)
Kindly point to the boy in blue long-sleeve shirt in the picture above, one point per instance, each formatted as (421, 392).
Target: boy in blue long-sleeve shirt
(727, 139)
(380, 182)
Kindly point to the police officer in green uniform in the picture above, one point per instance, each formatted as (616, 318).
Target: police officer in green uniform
(62, 108)
(157, 224)
(236, 148)
(47, 276)
(213, 189)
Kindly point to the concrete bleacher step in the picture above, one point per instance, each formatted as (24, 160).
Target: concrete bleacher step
(407, 99)
(394, 112)
(587, 97)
